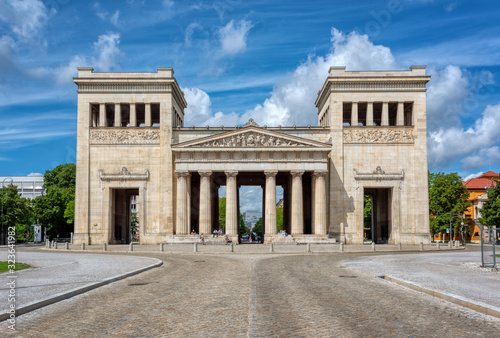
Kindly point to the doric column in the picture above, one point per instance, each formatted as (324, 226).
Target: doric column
(147, 116)
(270, 203)
(369, 114)
(118, 115)
(297, 204)
(320, 203)
(354, 114)
(133, 115)
(182, 227)
(188, 193)
(231, 203)
(400, 118)
(205, 203)
(102, 115)
(385, 113)
(313, 206)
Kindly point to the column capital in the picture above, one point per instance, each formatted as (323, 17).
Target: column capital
(182, 173)
(297, 172)
(207, 173)
(270, 173)
(319, 173)
(231, 173)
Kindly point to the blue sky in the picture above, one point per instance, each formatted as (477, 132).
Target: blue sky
(238, 59)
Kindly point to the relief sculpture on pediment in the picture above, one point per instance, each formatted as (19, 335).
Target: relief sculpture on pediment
(251, 140)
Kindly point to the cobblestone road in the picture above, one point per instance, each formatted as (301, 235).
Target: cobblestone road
(254, 296)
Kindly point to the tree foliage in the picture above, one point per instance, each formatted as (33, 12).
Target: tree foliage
(279, 218)
(367, 212)
(447, 194)
(56, 209)
(257, 228)
(16, 212)
(222, 212)
(243, 229)
(491, 208)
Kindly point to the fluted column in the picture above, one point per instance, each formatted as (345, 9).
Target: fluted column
(369, 114)
(102, 115)
(182, 227)
(188, 197)
(231, 203)
(297, 204)
(147, 115)
(133, 115)
(400, 117)
(385, 113)
(118, 115)
(320, 203)
(270, 203)
(205, 203)
(354, 114)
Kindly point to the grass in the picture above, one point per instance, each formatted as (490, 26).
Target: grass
(4, 266)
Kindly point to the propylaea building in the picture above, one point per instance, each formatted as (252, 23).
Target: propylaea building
(370, 142)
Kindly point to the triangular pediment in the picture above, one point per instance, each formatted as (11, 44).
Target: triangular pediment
(252, 137)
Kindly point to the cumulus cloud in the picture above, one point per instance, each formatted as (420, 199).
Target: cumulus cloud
(25, 17)
(233, 36)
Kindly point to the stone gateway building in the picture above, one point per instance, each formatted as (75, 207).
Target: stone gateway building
(370, 142)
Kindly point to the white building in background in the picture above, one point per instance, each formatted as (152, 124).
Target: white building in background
(30, 186)
(251, 218)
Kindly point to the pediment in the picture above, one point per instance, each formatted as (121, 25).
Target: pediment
(252, 137)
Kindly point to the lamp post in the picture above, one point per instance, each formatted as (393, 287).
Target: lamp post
(3, 183)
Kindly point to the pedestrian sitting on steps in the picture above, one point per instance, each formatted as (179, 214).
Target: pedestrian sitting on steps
(202, 238)
(227, 240)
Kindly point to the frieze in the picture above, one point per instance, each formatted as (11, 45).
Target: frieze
(379, 175)
(378, 135)
(124, 175)
(379, 85)
(251, 140)
(122, 87)
(121, 136)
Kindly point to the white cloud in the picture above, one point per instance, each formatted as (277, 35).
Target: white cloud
(189, 32)
(233, 37)
(466, 178)
(104, 15)
(108, 51)
(114, 18)
(26, 18)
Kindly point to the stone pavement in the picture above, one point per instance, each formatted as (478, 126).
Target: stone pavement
(248, 295)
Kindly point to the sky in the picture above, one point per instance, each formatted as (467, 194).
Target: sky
(237, 60)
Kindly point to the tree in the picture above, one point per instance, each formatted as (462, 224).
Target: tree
(447, 194)
(491, 208)
(56, 209)
(279, 218)
(16, 213)
(243, 229)
(257, 228)
(222, 212)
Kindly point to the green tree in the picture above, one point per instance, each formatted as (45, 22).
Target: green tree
(367, 212)
(279, 218)
(257, 228)
(243, 229)
(16, 213)
(222, 212)
(491, 208)
(447, 194)
(56, 209)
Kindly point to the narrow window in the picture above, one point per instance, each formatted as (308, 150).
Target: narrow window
(347, 110)
(377, 113)
(362, 113)
(94, 111)
(408, 113)
(155, 114)
(140, 111)
(393, 112)
(125, 113)
(110, 114)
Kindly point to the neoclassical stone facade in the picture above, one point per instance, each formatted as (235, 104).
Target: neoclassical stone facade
(370, 141)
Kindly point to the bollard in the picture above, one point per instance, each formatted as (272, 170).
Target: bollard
(457, 244)
(105, 247)
(449, 244)
(55, 245)
(421, 246)
(67, 246)
(131, 247)
(400, 247)
(83, 246)
(71, 239)
(271, 247)
(438, 246)
(161, 247)
(195, 247)
(232, 247)
(47, 244)
(308, 247)
(373, 246)
(341, 247)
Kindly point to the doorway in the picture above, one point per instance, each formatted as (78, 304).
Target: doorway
(124, 212)
(380, 227)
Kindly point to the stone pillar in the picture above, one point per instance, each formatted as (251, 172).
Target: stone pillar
(133, 115)
(369, 114)
(354, 114)
(181, 223)
(102, 115)
(385, 113)
(118, 115)
(400, 117)
(270, 203)
(320, 203)
(188, 179)
(147, 115)
(231, 203)
(297, 204)
(313, 203)
(205, 224)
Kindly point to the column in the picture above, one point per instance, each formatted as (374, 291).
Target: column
(385, 113)
(270, 203)
(133, 115)
(231, 203)
(369, 114)
(118, 115)
(147, 117)
(102, 115)
(313, 204)
(182, 213)
(400, 117)
(354, 114)
(320, 203)
(205, 203)
(188, 193)
(297, 204)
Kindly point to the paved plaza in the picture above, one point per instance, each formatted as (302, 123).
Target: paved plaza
(257, 295)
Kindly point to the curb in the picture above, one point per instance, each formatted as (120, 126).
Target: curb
(482, 308)
(68, 294)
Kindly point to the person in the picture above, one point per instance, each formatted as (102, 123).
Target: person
(202, 238)
(215, 233)
(193, 232)
(286, 234)
(227, 240)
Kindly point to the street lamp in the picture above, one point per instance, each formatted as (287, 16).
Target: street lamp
(3, 183)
